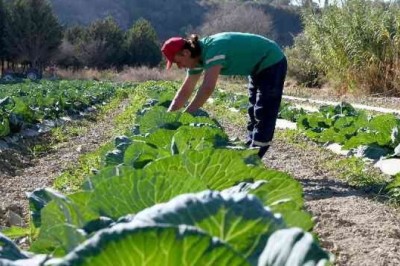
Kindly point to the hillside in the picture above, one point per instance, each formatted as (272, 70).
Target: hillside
(168, 17)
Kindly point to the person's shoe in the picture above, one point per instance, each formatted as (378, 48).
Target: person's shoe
(262, 151)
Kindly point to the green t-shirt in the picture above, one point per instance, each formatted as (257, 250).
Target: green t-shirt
(237, 53)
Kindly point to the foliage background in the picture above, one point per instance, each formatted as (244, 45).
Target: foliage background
(354, 45)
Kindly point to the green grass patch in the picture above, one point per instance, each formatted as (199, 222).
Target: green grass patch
(357, 173)
(64, 133)
(17, 232)
(72, 179)
(38, 150)
(120, 95)
(124, 121)
(293, 137)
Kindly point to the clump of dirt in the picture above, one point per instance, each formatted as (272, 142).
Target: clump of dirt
(11, 161)
(18, 155)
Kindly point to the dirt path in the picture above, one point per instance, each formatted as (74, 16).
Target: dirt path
(356, 228)
(41, 172)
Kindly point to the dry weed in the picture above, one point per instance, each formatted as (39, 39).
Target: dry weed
(138, 74)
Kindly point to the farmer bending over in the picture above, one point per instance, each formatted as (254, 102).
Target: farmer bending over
(232, 53)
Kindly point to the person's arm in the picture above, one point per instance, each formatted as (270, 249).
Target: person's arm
(184, 92)
(206, 88)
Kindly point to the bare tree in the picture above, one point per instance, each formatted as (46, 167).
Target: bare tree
(68, 55)
(242, 18)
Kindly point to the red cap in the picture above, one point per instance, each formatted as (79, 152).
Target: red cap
(171, 47)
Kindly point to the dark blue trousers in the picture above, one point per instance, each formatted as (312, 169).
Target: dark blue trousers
(265, 95)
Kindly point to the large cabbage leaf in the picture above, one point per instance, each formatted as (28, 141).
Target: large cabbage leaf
(140, 153)
(137, 244)
(137, 190)
(39, 198)
(217, 168)
(62, 221)
(105, 174)
(240, 220)
(283, 196)
(189, 138)
(161, 138)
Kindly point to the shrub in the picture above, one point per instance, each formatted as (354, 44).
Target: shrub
(356, 44)
(302, 64)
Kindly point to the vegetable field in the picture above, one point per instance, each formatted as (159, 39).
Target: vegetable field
(174, 189)
(31, 103)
